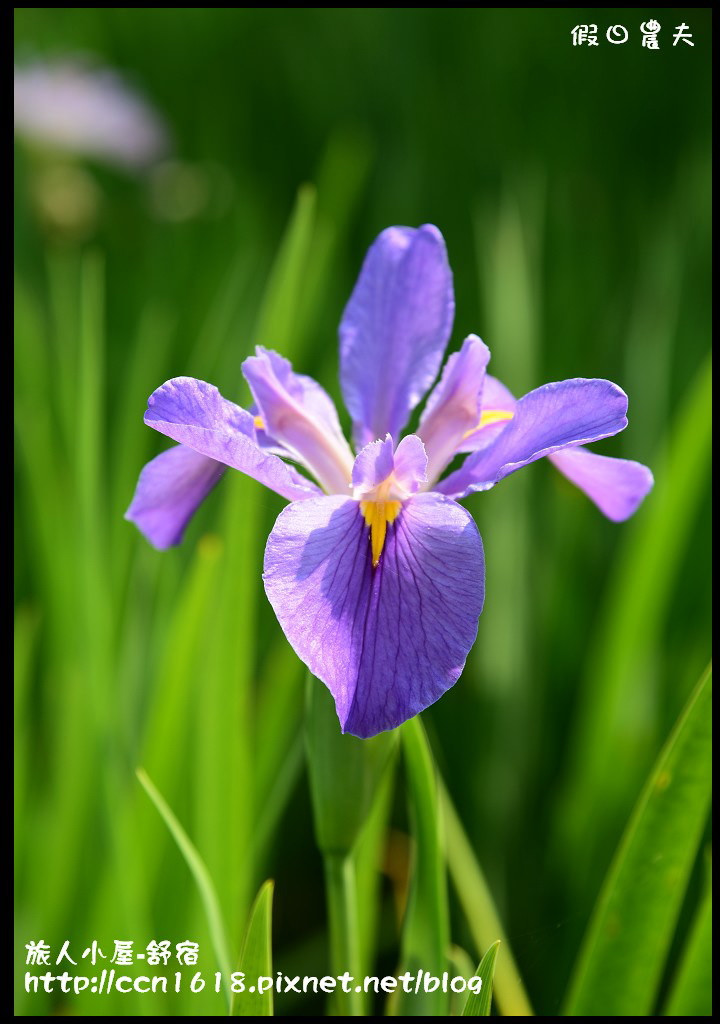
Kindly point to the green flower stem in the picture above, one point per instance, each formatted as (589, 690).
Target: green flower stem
(426, 928)
(345, 955)
(345, 775)
(481, 913)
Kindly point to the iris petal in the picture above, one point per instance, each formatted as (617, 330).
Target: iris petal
(394, 329)
(195, 414)
(617, 486)
(453, 407)
(168, 493)
(373, 465)
(298, 414)
(546, 420)
(389, 641)
(495, 398)
(411, 464)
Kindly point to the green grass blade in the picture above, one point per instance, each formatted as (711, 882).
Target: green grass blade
(223, 729)
(691, 993)
(345, 776)
(170, 711)
(507, 235)
(482, 916)
(478, 1003)
(27, 621)
(220, 332)
(61, 358)
(345, 943)
(369, 851)
(143, 372)
(426, 929)
(256, 959)
(345, 772)
(279, 741)
(624, 953)
(275, 323)
(270, 810)
(341, 178)
(460, 965)
(617, 710)
(226, 795)
(199, 872)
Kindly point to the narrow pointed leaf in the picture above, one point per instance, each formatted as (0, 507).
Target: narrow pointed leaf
(478, 1004)
(283, 292)
(344, 772)
(256, 959)
(691, 993)
(200, 873)
(482, 916)
(626, 946)
(425, 937)
(617, 701)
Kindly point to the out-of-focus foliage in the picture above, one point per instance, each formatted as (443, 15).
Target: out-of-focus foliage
(572, 187)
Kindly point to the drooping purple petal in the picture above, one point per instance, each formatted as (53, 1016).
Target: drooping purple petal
(454, 405)
(169, 490)
(195, 414)
(298, 414)
(617, 486)
(388, 641)
(394, 329)
(553, 417)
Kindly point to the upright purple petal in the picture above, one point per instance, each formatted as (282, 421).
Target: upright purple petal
(411, 464)
(169, 491)
(454, 405)
(373, 465)
(546, 420)
(298, 414)
(195, 414)
(496, 396)
(394, 329)
(496, 400)
(310, 395)
(387, 641)
(617, 486)
(396, 472)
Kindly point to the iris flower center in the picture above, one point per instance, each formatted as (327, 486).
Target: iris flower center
(378, 513)
(489, 418)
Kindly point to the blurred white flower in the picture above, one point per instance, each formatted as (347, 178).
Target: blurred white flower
(87, 111)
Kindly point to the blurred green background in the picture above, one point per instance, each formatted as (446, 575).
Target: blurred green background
(572, 186)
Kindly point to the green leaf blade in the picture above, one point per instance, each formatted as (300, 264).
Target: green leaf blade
(199, 872)
(691, 993)
(256, 959)
(478, 1003)
(627, 943)
(425, 938)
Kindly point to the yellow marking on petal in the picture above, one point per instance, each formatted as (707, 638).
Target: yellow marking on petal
(489, 418)
(258, 423)
(377, 515)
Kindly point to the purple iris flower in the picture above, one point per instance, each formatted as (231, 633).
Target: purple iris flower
(375, 572)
